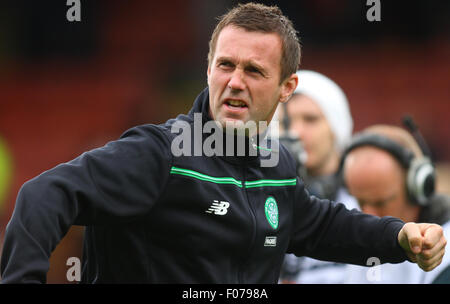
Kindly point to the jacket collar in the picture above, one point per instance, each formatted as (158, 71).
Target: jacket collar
(201, 105)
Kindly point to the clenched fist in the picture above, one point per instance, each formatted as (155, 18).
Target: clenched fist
(423, 243)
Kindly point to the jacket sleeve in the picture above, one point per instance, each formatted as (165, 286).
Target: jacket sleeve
(327, 230)
(119, 182)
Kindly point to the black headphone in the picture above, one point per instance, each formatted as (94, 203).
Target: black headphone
(421, 175)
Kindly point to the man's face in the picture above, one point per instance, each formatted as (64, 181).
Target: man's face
(244, 77)
(308, 122)
(377, 181)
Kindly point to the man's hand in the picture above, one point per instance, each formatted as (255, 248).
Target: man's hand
(423, 243)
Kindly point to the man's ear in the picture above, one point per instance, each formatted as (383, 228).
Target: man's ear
(208, 72)
(288, 87)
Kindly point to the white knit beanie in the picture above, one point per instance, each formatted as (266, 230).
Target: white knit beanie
(332, 101)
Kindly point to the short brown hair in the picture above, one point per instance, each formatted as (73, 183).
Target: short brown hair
(255, 17)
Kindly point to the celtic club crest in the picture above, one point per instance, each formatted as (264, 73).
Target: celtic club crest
(271, 210)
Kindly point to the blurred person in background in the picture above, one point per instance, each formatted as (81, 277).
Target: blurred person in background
(386, 170)
(316, 126)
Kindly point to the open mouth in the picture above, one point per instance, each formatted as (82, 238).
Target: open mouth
(236, 104)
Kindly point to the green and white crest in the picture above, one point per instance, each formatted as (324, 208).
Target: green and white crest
(271, 210)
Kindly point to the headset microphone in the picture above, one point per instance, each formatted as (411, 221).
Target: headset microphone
(286, 120)
(293, 144)
(408, 122)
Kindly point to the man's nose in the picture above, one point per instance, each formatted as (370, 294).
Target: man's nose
(236, 81)
(299, 129)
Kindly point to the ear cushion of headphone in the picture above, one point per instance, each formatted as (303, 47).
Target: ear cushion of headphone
(420, 180)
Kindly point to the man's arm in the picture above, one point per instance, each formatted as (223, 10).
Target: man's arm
(116, 183)
(326, 230)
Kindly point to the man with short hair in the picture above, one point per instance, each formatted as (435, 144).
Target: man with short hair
(385, 169)
(153, 217)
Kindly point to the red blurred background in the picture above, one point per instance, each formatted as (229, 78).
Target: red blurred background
(66, 87)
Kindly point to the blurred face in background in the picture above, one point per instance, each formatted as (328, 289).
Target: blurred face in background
(308, 122)
(244, 77)
(377, 181)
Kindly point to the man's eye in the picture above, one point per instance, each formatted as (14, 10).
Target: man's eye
(226, 64)
(310, 118)
(253, 70)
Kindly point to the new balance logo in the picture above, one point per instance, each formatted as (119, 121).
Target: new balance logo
(218, 208)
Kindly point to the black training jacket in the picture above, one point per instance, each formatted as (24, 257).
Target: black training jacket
(152, 217)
